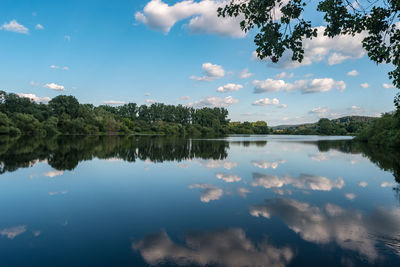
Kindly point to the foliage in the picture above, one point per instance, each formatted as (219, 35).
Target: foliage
(65, 115)
(282, 26)
(384, 131)
(349, 125)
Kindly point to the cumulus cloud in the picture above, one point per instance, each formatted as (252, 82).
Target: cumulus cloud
(160, 16)
(213, 101)
(263, 164)
(14, 26)
(211, 72)
(268, 102)
(35, 98)
(226, 247)
(353, 73)
(244, 74)
(114, 102)
(55, 87)
(209, 192)
(229, 87)
(39, 27)
(364, 85)
(151, 101)
(229, 178)
(13, 232)
(304, 181)
(347, 228)
(363, 184)
(388, 85)
(323, 48)
(309, 86)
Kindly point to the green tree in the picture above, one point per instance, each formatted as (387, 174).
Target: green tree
(27, 124)
(4, 124)
(378, 19)
(326, 127)
(65, 104)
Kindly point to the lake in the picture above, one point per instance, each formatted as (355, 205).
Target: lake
(235, 201)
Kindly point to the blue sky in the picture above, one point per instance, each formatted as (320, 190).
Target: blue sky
(179, 52)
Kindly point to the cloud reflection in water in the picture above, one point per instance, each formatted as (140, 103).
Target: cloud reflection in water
(349, 229)
(228, 247)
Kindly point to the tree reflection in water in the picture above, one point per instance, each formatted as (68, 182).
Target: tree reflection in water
(65, 152)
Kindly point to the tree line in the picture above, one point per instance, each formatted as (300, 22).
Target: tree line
(65, 115)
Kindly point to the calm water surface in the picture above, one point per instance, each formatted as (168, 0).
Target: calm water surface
(238, 201)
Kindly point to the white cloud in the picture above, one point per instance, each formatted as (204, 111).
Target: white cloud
(388, 85)
(229, 87)
(269, 85)
(244, 74)
(323, 85)
(54, 86)
(318, 85)
(226, 247)
(151, 101)
(213, 101)
(54, 67)
(349, 229)
(266, 102)
(323, 48)
(54, 173)
(184, 98)
(353, 73)
(364, 85)
(318, 183)
(14, 26)
(13, 232)
(39, 27)
(229, 178)
(114, 102)
(319, 111)
(35, 98)
(211, 72)
(209, 192)
(162, 17)
(283, 75)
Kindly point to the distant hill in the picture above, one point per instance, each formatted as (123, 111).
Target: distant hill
(342, 120)
(348, 125)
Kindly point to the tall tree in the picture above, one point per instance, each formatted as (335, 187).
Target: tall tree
(282, 26)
